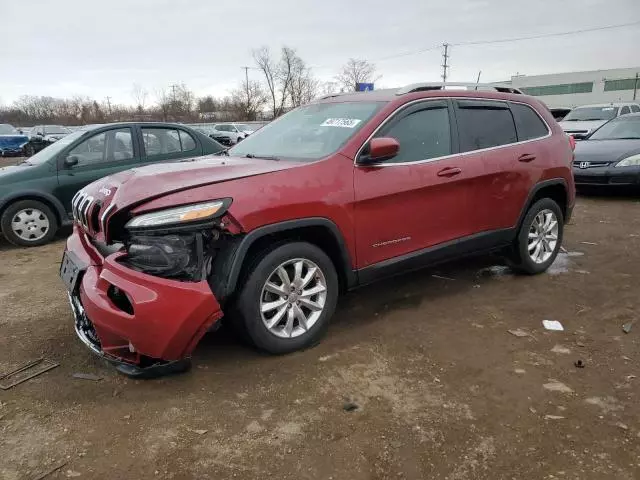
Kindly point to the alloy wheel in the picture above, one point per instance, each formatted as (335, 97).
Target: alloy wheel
(293, 298)
(543, 236)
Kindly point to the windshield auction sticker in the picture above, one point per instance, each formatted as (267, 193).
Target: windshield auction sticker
(340, 122)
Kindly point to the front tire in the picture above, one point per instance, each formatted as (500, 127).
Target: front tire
(540, 237)
(28, 223)
(29, 150)
(288, 298)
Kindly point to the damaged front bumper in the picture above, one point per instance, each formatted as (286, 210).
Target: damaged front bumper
(154, 331)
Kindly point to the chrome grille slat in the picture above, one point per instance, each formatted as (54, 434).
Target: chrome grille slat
(105, 214)
(592, 164)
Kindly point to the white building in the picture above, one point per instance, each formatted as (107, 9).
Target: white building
(581, 88)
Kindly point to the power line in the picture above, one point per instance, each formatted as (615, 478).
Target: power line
(547, 35)
(501, 40)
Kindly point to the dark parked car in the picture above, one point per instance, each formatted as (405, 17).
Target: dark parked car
(12, 142)
(42, 136)
(335, 194)
(35, 196)
(611, 155)
(211, 132)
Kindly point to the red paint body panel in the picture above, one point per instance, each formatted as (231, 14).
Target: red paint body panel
(161, 326)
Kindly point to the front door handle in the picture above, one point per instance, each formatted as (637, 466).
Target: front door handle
(449, 172)
(526, 157)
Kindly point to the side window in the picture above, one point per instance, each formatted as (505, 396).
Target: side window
(165, 141)
(160, 141)
(528, 124)
(122, 144)
(92, 150)
(186, 141)
(625, 110)
(423, 133)
(634, 108)
(484, 124)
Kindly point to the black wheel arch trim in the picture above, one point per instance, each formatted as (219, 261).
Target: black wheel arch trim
(288, 225)
(38, 196)
(539, 186)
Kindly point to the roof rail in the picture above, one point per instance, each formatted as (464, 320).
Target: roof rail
(423, 87)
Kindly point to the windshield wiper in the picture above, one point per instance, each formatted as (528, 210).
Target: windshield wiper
(262, 157)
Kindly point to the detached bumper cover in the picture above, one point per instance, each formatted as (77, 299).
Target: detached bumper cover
(168, 317)
(607, 176)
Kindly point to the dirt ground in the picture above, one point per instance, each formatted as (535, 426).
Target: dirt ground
(442, 389)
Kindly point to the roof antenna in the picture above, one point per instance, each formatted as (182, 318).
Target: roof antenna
(478, 80)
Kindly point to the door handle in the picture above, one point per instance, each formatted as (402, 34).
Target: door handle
(526, 157)
(449, 172)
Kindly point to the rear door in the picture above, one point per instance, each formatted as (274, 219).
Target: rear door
(101, 154)
(168, 143)
(511, 164)
(417, 199)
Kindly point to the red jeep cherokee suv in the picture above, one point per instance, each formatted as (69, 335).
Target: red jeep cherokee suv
(335, 194)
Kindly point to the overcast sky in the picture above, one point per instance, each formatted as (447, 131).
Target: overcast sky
(100, 48)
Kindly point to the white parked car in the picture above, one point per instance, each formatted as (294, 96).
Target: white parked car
(235, 132)
(582, 121)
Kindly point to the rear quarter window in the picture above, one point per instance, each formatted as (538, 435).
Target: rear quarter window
(529, 125)
(484, 124)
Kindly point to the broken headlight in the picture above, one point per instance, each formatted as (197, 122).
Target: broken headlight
(175, 256)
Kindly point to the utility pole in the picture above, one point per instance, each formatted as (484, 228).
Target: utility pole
(173, 91)
(635, 86)
(109, 104)
(445, 62)
(246, 76)
(478, 80)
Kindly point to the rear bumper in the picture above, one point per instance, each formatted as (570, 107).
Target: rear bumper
(166, 320)
(611, 176)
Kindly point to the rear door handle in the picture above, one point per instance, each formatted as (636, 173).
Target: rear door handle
(449, 172)
(527, 157)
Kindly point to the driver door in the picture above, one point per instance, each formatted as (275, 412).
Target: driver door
(419, 198)
(101, 154)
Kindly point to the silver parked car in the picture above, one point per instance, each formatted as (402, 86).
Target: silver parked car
(582, 121)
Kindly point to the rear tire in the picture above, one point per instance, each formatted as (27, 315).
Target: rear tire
(277, 308)
(28, 223)
(539, 239)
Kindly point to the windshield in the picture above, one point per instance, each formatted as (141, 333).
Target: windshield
(56, 129)
(619, 128)
(308, 133)
(52, 150)
(591, 113)
(6, 129)
(243, 128)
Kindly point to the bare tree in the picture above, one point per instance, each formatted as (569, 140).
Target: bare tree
(356, 71)
(284, 75)
(328, 88)
(250, 97)
(139, 95)
(163, 101)
(303, 86)
(269, 69)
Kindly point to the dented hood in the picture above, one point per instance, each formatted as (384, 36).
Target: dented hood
(132, 187)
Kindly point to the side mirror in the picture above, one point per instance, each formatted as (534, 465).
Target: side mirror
(378, 150)
(70, 161)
